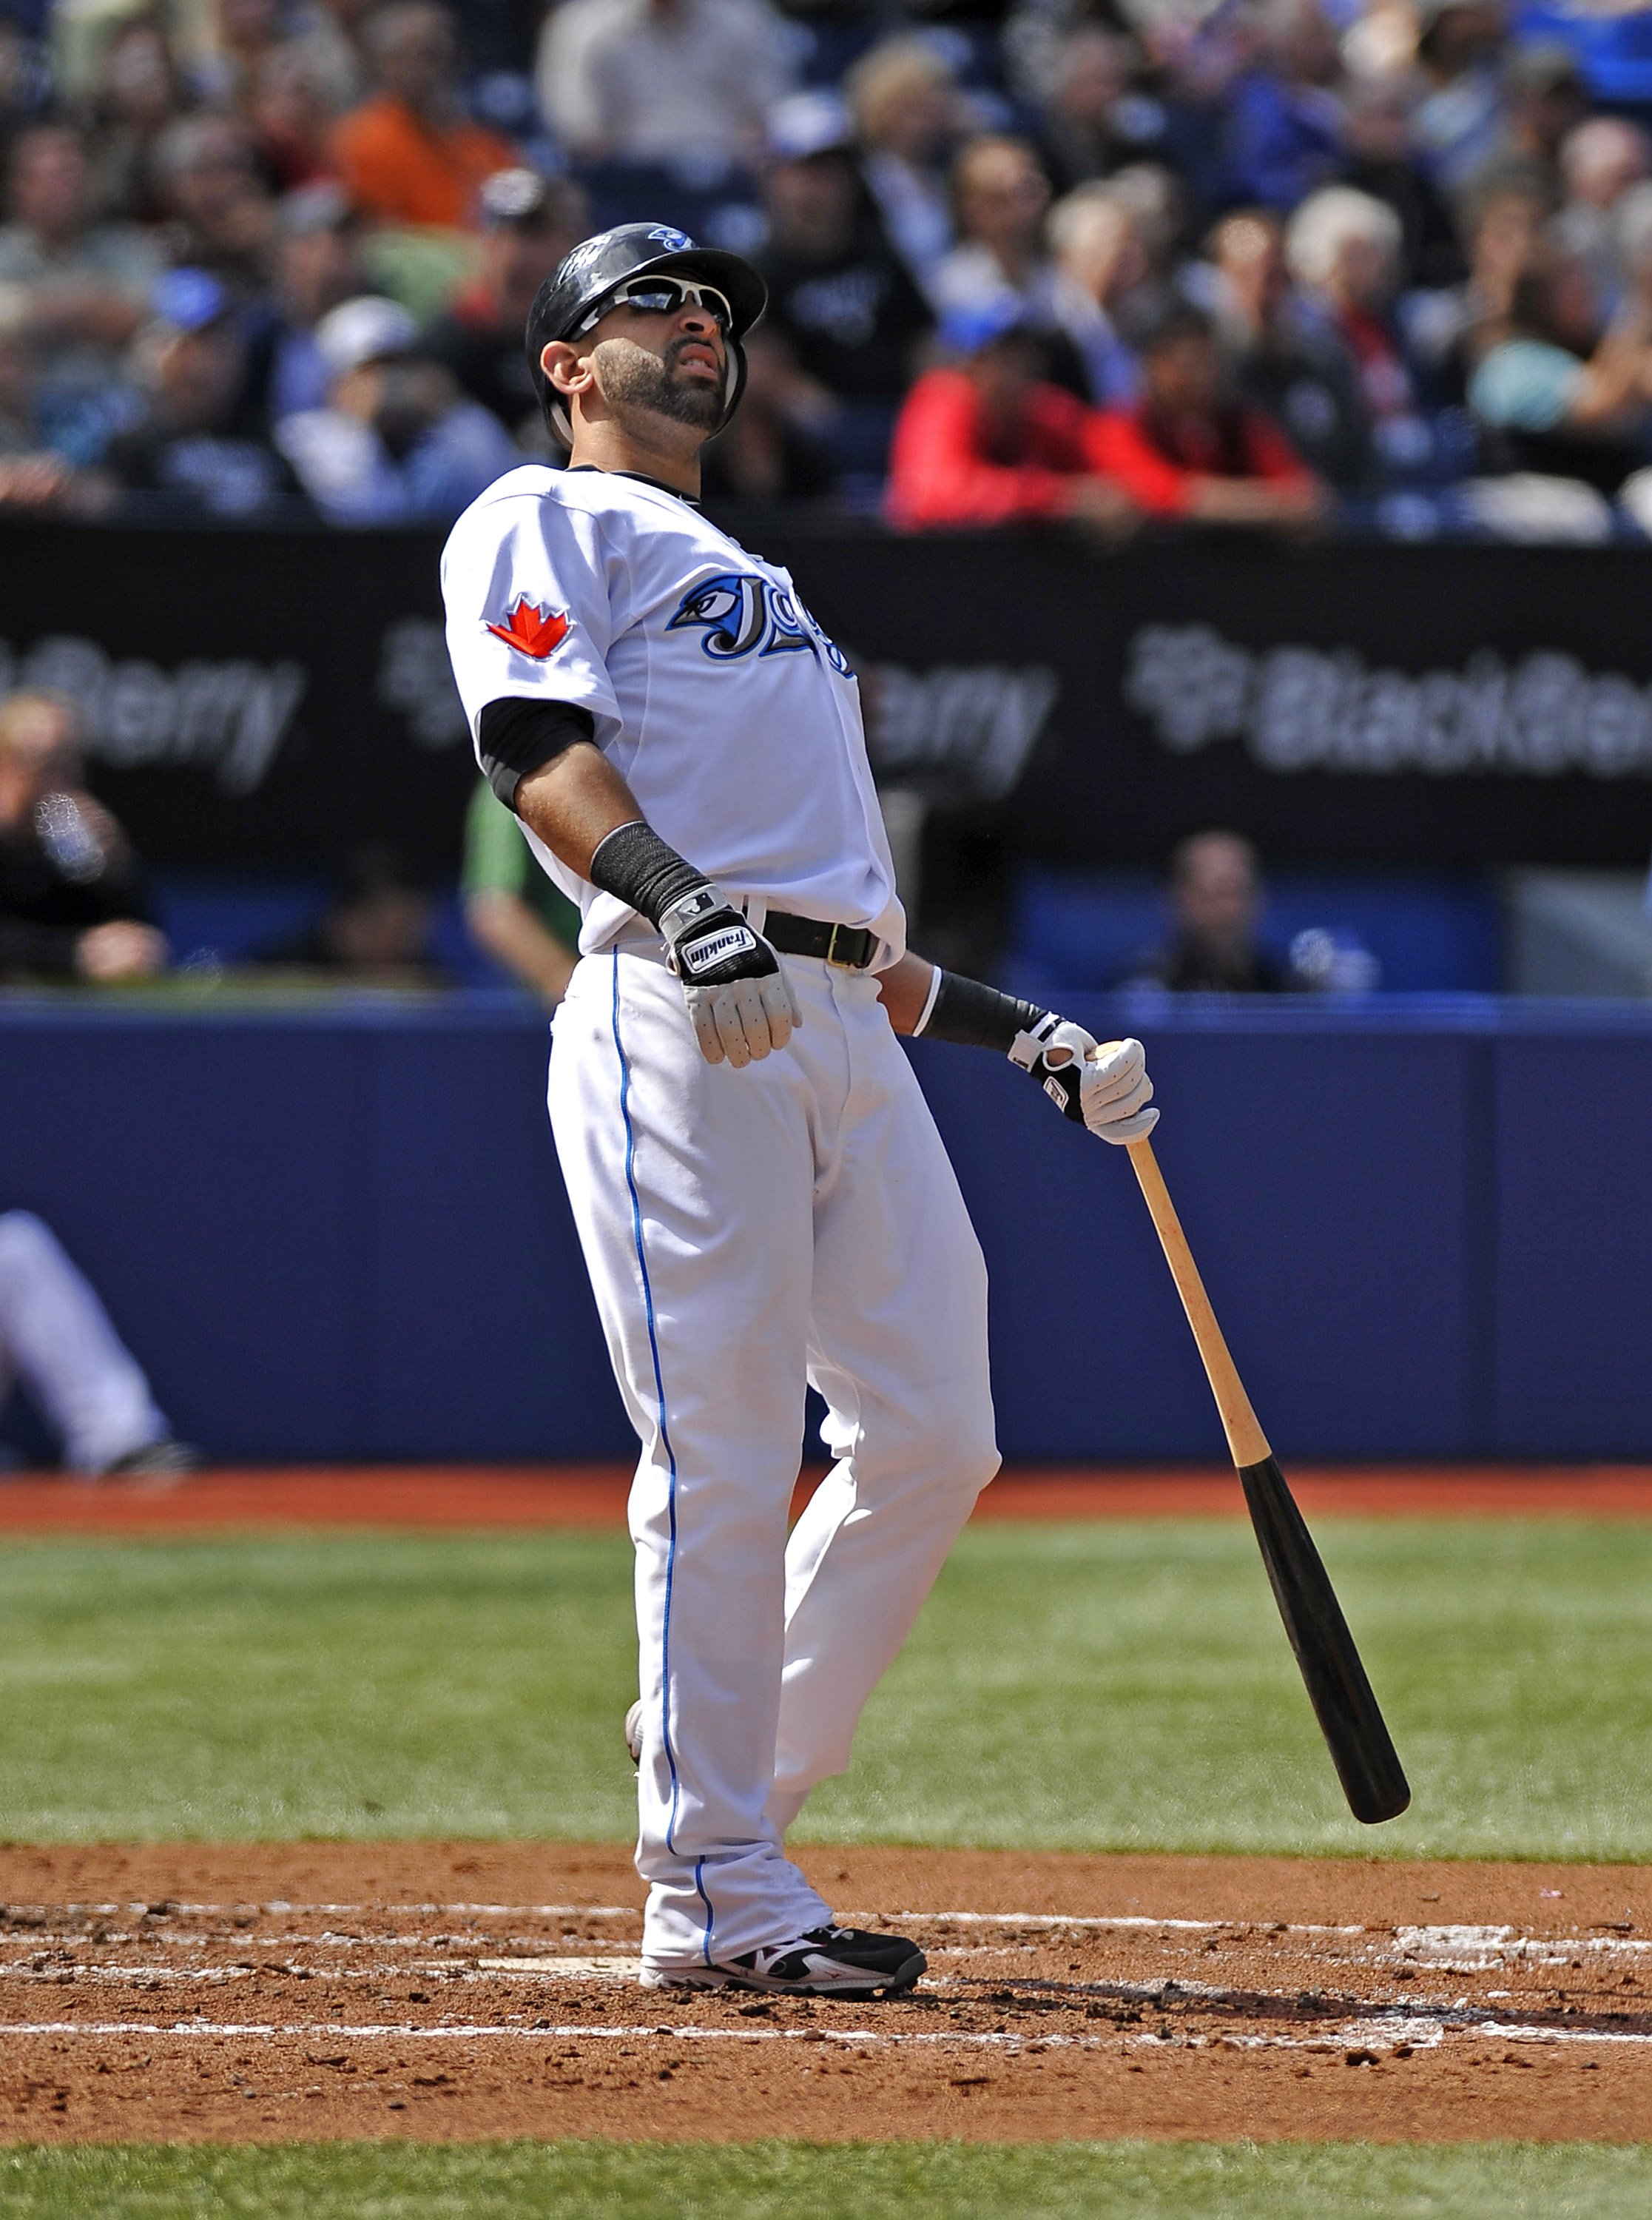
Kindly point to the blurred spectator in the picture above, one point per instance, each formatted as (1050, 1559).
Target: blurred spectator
(222, 216)
(243, 34)
(1284, 132)
(838, 293)
(409, 155)
(34, 479)
(1216, 897)
(198, 449)
(317, 266)
(514, 910)
(1342, 248)
(1457, 118)
(1632, 240)
(1188, 448)
(1157, 207)
(1000, 198)
(986, 440)
(81, 286)
(908, 114)
(395, 442)
(71, 907)
(1501, 220)
(1095, 122)
(1100, 268)
(1285, 362)
(1558, 397)
(1382, 160)
(777, 447)
(331, 34)
(138, 95)
(25, 82)
(531, 223)
(19, 371)
(291, 116)
(56, 1338)
(375, 932)
(1600, 162)
(1544, 98)
(663, 81)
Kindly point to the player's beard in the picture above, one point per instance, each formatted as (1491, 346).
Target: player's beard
(629, 378)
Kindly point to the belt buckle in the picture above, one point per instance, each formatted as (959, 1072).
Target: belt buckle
(831, 955)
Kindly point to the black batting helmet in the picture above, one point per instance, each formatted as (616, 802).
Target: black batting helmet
(582, 279)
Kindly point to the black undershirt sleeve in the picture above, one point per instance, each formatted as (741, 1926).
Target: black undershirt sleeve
(518, 736)
(977, 1016)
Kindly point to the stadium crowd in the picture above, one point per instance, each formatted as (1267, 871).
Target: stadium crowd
(1101, 259)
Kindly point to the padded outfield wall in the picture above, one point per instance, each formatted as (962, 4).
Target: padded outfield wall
(1426, 1225)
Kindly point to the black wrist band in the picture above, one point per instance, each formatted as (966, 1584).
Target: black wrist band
(635, 864)
(977, 1016)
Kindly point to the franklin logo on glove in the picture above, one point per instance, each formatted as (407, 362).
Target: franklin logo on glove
(698, 956)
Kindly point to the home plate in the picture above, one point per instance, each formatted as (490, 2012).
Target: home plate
(570, 1969)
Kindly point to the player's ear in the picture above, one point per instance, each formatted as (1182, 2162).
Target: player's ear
(568, 370)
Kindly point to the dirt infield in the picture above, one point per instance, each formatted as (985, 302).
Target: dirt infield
(475, 1496)
(465, 1990)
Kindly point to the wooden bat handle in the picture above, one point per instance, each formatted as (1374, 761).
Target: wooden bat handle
(1246, 1442)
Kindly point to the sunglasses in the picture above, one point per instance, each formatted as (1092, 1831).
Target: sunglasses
(663, 296)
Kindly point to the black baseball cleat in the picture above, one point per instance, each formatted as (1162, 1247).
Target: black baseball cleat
(827, 1961)
(157, 1464)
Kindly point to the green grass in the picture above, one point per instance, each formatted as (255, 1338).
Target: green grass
(1086, 1687)
(862, 2181)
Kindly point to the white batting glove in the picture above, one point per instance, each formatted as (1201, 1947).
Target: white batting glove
(740, 1001)
(1105, 1087)
(1115, 1091)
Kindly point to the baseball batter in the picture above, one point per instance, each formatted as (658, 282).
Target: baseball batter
(761, 1194)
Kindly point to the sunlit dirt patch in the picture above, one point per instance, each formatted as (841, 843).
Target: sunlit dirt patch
(470, 1990)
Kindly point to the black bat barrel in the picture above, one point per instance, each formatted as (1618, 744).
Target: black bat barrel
(1362, 1750)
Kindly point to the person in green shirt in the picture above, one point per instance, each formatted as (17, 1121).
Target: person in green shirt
(514, 911)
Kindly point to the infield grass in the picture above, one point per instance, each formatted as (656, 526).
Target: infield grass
(1096, 1686)
(853, 2181)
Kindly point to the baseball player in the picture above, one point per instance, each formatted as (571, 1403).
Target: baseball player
(762, 1197)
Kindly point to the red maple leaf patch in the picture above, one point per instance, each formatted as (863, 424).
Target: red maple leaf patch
(534, 629)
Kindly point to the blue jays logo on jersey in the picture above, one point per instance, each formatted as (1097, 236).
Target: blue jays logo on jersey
(741, 615)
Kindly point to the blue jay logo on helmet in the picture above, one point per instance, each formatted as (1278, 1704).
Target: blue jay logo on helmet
(674, 242)
(741, 615)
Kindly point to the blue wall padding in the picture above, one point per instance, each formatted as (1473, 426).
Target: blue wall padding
(1426, 1226)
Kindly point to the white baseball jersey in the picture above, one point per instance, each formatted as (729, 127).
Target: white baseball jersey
(732, 718)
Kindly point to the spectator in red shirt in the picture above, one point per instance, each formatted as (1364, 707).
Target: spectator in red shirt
(986, 440)
(1188, 449)
(408, 156)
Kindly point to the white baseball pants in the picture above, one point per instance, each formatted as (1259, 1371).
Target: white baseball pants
(56, 1336)
(745, 1231)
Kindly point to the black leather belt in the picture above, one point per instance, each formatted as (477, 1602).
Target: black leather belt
(852, 945)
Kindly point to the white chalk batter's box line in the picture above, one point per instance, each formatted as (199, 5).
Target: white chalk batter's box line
(619, 1966)
(1360, 2035)
(1448, 1948)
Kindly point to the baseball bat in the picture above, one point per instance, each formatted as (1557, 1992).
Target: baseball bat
(1361, 1748)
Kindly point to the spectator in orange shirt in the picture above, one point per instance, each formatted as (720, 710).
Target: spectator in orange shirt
(408, 156)
(987, 441)
(1188, 449)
